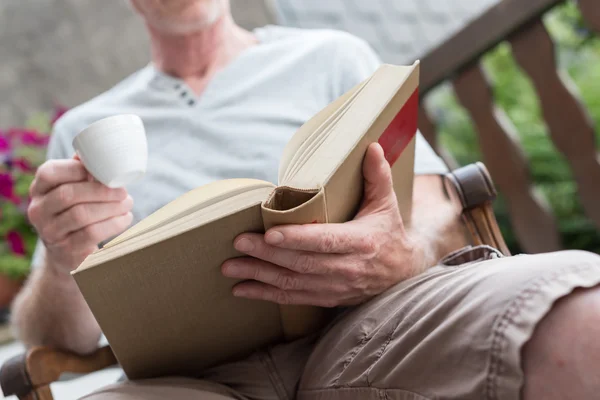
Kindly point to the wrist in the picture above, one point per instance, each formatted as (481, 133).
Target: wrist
(424, 252)
(57, 271)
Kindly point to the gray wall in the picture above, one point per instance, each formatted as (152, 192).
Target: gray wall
(67, 51)
(401, 31)
(63, 52)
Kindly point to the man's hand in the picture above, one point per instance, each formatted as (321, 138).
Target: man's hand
(72, 213)
(332, 264)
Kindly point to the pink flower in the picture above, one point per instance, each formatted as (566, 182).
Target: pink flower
(32, 138)
(16, 243)
(5, 146)
(7, 185)
(13, 133)
(28, 137)
(23, 165)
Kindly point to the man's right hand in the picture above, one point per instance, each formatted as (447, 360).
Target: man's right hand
(72, 213)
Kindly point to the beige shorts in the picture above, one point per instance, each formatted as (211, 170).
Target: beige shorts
(455, 331)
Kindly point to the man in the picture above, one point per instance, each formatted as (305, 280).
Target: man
(221, 102)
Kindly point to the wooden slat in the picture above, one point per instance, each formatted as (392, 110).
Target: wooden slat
(427, 127)
(43, 393)
(590, 9)
(571, 128)
(479, 36)
(429, 130)
(45, 365)
(533, 223)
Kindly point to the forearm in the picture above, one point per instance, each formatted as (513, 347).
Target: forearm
(51, 311)
(436, 221)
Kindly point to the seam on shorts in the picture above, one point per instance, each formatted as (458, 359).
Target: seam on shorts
(380, 353)
(390, 336)
(276, 381)
(366, 337)
(508, 316)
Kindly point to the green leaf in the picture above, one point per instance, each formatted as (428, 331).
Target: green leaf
(22, 184)
(14, 267)
(578, 55)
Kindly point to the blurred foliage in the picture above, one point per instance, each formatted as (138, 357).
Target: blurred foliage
(578, 52)
(22, 151)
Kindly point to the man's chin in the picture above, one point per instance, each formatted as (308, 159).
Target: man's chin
(192, 25)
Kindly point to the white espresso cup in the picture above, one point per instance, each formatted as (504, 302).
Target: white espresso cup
(114, 149)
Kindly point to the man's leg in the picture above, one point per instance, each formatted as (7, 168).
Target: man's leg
(270, 374)
(458, 332)
(165, 388)
(561, 361)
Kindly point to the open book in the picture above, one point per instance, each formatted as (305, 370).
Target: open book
(157, 290)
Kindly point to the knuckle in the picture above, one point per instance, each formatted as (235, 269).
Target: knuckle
(352, 274)
(80, 214)
(91, 233)
(369, 244)
(285, 281)
(304, 263)
(128, 218)
(66, 194)
(328, 242)
(338, 287)
(124, 221)
(255, 273)
(105, 193)
(265, 251)
(282, 297)
(126, 205)
(34, 211)
(46, 171)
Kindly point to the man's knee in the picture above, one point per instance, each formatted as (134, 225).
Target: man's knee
(560, 360)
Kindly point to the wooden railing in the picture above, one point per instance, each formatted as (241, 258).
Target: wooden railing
(520, 23)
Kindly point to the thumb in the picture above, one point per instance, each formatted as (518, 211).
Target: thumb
(379, 188)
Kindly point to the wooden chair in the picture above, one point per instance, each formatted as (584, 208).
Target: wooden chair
(29, 375)
(458, 61)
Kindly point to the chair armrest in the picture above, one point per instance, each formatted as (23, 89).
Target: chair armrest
(474, 188)
(40, 366)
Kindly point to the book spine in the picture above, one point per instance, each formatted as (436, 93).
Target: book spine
(401, 130)
(295, 206)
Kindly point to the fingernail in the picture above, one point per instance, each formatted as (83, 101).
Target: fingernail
(274, 237)
(244, 245)
(237, 292)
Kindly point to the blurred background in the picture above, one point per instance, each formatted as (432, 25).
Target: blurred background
(515, 84)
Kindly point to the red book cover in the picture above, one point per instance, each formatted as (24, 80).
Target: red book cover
(401, 130)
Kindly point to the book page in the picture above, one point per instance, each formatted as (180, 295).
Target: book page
(188, 203)
(356, 122)
(312, 129)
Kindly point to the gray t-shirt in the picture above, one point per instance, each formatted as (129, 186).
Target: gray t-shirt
(240, 124)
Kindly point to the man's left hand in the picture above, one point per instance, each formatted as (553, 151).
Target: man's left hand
(330, 265)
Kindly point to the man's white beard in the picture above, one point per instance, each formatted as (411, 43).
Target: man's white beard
(217, 8)
(216, 12)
